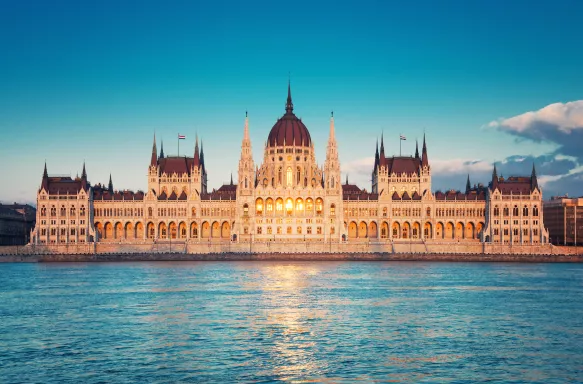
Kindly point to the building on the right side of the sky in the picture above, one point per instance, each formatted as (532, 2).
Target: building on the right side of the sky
(564, 219)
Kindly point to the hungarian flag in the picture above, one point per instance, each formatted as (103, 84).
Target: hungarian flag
(403, 137)
(181, 137)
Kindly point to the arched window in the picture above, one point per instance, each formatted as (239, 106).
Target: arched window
(73, 211)
(289, 230)
(496, 211)
(279, 176)
(428, 212)
(63, 211)
(506, 211)
(245, 209)
(332, 183)
(525, 211)
(269, 206)
(150, 212)
(299, 206)
(193, 212)
(279, 206)
(245, 182)
(259, 230)
(289, 177)
(309, 205)
(299, 176)
(289, 206)
(535, 210)
(332, 208)
(269, 231)
(43, 211)
(319, 203)
(515, 210)
(259, 206)
(299, 230)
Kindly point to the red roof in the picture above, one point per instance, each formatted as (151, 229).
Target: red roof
(178, 165)
(402, 164)
(63, 185)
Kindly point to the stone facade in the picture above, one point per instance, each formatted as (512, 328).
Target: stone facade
(290, 201)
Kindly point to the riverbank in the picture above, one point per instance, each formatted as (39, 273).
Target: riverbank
(225, 256)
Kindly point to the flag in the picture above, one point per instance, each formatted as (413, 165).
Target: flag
(181, 137)
(403, 137)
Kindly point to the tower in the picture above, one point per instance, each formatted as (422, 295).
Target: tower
(333, 187)
(246, 171)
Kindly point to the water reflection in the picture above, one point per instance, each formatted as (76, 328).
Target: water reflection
(296, 321)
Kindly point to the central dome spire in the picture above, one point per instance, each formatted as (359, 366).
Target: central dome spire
(289, 130)
(289, 106)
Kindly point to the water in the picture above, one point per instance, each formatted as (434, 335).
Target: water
(291, 321)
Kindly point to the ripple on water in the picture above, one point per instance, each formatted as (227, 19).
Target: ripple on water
(271, 321)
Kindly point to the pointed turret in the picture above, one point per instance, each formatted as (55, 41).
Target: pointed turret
(110, 185)
(154, 159)
(45, 181)
(289, 106)
(84, 178)
(533, 179)
(424, 158)
(196, 153)
(162, 149)
(231, 178)
(202, 157)
(468, 185)
(494, 178)
(347, 179)
(416, 149)
(382, 154)
(376, 157)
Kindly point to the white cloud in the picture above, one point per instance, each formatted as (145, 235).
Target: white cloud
(459, 166)
(564, 117)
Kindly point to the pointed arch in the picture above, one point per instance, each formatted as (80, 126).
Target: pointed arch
(384, 230)
(225, 230)
(215, 230)
(427, 230)
(206, 230)
(362, 230)
(396, 230)
(182, 230)
(373, 232)
(352, 230)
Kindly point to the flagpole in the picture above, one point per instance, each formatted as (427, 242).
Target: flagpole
(179, 145)
(400, 144)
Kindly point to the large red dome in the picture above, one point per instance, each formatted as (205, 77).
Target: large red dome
(289, 129)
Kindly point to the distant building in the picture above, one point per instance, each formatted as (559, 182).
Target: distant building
(564, 219)
(288, 197)
(16, 223)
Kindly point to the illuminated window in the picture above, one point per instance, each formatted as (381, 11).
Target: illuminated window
(279, 206)
(259, 206)
(289, 206)
(269, 205)
(319, 230)
(269, 230)
(300, 230)
(332, 209)
(289, 230)
(319, 203)
(299, 205)
(309, 205)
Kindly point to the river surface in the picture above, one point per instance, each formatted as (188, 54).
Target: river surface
(291, 321)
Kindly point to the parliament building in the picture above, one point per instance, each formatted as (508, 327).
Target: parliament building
(287, 197)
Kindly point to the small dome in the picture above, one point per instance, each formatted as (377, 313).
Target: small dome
(289, 129)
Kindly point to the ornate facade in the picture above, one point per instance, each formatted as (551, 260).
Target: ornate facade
(289, 198)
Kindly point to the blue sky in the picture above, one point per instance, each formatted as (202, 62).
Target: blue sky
(94, 81)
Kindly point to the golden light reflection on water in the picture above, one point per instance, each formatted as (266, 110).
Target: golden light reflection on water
(289, 318)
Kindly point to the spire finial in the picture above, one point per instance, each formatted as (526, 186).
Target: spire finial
(332, 114)
(231, 178)
(110, 185)
(416, 148)
(289, 106)
(161, 149)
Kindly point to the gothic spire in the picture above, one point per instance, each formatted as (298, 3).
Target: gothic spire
(382, 154)
(45, 181)
(231, 178)
(347, 179)
(84, 172)
(110, 185)
(468, 185)
(154, 159)
(533, 179)
(162, 149)
(196, 154)
(202, 157)
(289, 106)
(424, 158)
(416, 149)
(494, 178)
(376, 156)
